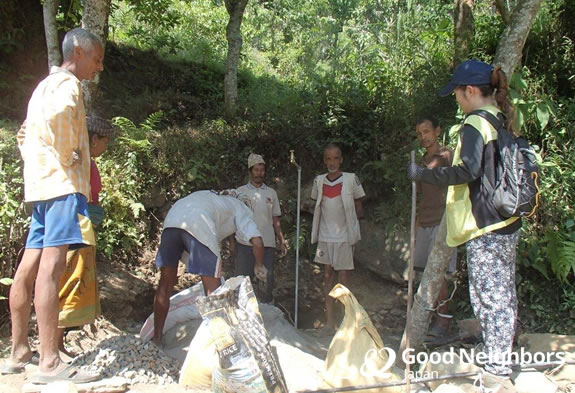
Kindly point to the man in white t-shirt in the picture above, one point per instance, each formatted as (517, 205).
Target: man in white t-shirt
(335, 224)
(196, 225)
(266, 207)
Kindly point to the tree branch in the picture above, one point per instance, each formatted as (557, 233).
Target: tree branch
(503, 11)
(510, 47)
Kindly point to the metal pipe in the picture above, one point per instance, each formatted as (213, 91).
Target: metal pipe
(293, 161)
(410, 279)
(431, 379)
(391, 384)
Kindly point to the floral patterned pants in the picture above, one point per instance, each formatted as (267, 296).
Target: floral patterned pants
(491, 264)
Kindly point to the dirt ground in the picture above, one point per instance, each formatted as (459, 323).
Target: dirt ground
(127, 296)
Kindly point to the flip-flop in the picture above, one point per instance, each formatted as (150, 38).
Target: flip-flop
(67, 373)
(7, 369)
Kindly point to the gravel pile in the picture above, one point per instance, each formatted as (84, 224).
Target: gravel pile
(131, 358)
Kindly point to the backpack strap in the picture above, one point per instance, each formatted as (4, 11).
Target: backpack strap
(495, 122)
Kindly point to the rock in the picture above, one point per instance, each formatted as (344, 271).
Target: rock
(128, 356)
(532, 381)
(469, 328)
(385, 254)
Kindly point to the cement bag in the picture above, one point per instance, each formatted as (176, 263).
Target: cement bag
(356, 355)
(246, 362)
(200, 360)
(182, 308)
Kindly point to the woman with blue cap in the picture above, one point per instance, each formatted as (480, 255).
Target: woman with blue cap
(490, 238)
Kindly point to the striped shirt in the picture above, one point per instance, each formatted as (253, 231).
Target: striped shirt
(54, 130)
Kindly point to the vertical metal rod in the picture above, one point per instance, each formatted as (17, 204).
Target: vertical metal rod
(293, 161)
(410, 282)
(297, 244)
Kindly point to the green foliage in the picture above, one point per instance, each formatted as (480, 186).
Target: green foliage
(126, 178)
(13, 218)
(543, 307)
(6, 282)
(147, 163)
(547, 245)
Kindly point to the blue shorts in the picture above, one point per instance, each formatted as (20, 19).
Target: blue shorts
(61, 221)
(174, 242)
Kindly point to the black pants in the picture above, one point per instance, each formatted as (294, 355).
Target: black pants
(245, 262)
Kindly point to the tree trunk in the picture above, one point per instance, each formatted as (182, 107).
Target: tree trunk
(95, 20)
(428, 290)
(235, 9)
(463, 30)
(50, 8)
(503, 11)
(510, 47)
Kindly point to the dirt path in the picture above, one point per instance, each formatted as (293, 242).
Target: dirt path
(127, 296)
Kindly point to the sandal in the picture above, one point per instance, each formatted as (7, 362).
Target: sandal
(7, 368)
(66, 372)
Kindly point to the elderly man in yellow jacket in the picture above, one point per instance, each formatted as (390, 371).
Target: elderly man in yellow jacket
(55, 149)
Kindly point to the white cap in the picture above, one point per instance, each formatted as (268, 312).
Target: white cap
(254, 159)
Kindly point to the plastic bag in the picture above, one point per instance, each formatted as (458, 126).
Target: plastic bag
(182, 309)
(356, 355)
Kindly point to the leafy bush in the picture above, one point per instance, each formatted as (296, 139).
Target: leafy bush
(13, 218)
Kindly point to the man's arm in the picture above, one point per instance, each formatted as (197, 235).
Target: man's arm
(358, 207)
(258, 250)
(279, 235)
(471, 156)
(60, 114)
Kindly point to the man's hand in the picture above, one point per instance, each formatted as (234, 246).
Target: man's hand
(261, 272)
(76, 157)
(283, 249)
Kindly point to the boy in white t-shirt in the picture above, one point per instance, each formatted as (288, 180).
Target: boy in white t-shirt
(335, 224)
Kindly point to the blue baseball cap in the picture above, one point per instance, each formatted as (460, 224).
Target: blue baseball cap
(468, 73)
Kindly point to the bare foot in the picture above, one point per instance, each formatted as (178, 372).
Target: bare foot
(23, 358)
